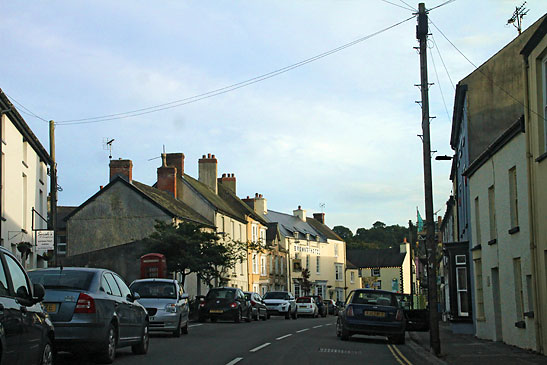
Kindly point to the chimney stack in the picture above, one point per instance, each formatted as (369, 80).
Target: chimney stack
(259, 204)
(123, 168)
(176, 160)
(300, 213)
(319, 217)
(167, 177)
(229, 181)
(207, 166)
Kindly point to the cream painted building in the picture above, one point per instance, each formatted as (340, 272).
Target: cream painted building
(24, 186)
(501, 256)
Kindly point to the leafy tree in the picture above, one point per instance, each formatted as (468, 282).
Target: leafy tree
(344, 232)
(305, 282)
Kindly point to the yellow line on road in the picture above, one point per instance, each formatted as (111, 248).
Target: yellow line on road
(401, 355)
(395, 355)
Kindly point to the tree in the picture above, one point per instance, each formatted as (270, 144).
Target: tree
(305, 282)
(344, 232)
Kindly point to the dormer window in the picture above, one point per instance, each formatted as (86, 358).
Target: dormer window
(295, 235)
(307, 236)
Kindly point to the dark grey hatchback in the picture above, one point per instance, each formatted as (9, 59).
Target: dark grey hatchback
(93, 310)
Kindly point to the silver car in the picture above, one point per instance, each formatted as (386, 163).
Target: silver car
(166, 303)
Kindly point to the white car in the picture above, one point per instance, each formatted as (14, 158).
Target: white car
(281, 303)
(307, 307)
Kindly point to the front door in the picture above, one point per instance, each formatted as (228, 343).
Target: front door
(497, 303)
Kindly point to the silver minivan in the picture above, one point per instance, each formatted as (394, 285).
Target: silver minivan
(166, 304)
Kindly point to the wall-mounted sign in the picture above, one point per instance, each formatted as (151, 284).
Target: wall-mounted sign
(44, 240)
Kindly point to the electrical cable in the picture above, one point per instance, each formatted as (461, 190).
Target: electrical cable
(407, 4)
(226, 89)
(442, 61)
(399, 6)
(28, 111)
(443, 4)
(439, 83)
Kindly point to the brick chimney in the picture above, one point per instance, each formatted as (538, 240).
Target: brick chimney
(300, 213)
(123, 168)
(176, 160)
(228, 181)
(167, 177)
(319, 217)
(258, 203)
(207, 166)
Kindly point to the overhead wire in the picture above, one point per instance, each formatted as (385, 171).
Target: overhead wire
(443, 4)
(26, 110)
(399, 6)
(226, 89)
(442, 61)
(410, 6)
(439, 84)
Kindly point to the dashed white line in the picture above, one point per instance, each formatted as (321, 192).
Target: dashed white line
(260, 347)
(282, 337)
(305, 329)
(318, 326)
(195, 325)
(328, 324)
(235, 361)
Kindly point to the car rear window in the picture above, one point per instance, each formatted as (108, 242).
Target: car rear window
(62, 279)
(362, 297)
(221, 294)
(303, 300)
(276, 295)
(154, 289)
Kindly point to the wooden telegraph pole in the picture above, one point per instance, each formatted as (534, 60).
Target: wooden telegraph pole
(53, 188)
(431, 245)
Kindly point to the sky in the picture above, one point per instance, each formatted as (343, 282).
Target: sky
(338, 135)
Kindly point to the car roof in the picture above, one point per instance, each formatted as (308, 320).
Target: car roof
(374, 291)
(91, 269)
(160, 280)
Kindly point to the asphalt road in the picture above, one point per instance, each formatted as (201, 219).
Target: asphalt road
(275, 341)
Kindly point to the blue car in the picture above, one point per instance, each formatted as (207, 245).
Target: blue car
(372, 312)
(93, 310)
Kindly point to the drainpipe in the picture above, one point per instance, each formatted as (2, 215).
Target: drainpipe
(531, 210)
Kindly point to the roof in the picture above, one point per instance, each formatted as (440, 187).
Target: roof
(16, 118)
(62, 212)
(161, 199)
(289, 224)
(272, 232)
(373, 258)
(535, 38)
(323, 229)
(238, 205)
(214, 199)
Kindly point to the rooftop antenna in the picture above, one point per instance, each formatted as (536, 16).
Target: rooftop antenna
(155, 158)
(322, 206)
(107, 145)
(518, 14)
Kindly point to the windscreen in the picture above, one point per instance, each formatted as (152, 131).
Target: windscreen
(154, 289)
(303, 300)
(276, 295)
(375, 298)
(62, 279)
(221, 294)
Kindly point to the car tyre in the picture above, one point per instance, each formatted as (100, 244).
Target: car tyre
(249, 317)
(344, 334)
(142, 347)
(107, 352)
(288, 315)
(47, 353)
(295, 315)
(185, 329)
(265, 316)
(178, 331)
(268, 315)
(238, 316)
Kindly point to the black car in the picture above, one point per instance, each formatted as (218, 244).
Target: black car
(26, 334)
(323, 310)
(372, 312)
(259, 309)
(225, 303)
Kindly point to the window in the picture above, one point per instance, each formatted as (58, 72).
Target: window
(125, 290)
(281, 266)
(25, 201)
(3, 182)
(335, 249)
(375, 272)
(3, 280)
(271, 268)
(317, 264)
(263, 265)
(513, 197)
(255, 264)
(478, 289)
(461, 286)
(104, 286)
(263, 236)
(255, 233)
(477, 221)
(61, 244)
(241, 232)
(544, 82)
(320, 290)
(25, 153)
(223, 225)
(519, 297)
(492, 212)
(233, 231)
(277, 264)
(297, 290)
(338, 272)
(352, 277)
(530, 293)
(18, 277)
(113, 286)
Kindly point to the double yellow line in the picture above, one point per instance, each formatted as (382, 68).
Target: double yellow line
(401, 359)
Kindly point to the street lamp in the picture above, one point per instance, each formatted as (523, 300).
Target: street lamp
(443, 158)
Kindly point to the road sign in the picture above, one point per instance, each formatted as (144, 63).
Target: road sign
(44, 240)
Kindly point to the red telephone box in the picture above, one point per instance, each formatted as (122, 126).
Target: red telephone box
(153, 265)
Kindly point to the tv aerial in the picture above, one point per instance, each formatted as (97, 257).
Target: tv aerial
(107, 145)
(516, 19)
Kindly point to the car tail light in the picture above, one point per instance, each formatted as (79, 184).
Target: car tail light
(349, 311)
(85, 304)
(233, 305)
(253, 303)
(399, 316)
(202, 304)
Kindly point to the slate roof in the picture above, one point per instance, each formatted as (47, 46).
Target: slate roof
(238, 205)
(213, 198)
(373, 258)
(288, 224)
(272, 232)
(323, 229)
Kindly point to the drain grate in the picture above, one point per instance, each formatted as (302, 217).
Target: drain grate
(339, 351)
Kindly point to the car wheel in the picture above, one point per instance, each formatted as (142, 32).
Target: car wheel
(142, 347)
(47, 354)
(265, 316)
(268, 315)
(248, 318)
(178, 331)
(338, 329)
(344, 333)
(214, 319)
(295, 315)
(185, 328)
(107, 353)
(397, 339)
(238, 316)
(288, 315)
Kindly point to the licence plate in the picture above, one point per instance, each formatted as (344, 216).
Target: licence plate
(50, 307)
(303, 306)
(216, 311)
(375, 314)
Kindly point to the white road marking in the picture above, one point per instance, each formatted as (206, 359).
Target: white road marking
(195, 325)
(305, 329)
(282, 337)
(235, 361)
(328, 324)
(318, 326)
(260, 347)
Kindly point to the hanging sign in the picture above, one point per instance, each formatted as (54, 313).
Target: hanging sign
(44, 240)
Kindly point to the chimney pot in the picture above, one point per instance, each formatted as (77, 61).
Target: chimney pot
(212, 156)
(248, 197)
(299, 207)
(122, 168)
(203, 156)
(101, 187)
(208, 155)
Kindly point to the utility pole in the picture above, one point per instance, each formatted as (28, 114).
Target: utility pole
(53, 188)
(431, 245)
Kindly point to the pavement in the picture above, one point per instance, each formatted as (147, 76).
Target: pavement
(469, 350)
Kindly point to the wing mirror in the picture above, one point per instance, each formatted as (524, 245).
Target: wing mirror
(38, 292)
(184, 296)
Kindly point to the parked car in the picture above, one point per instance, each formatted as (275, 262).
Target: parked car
(372, 312)
(225, 303)
(307, 307)
(93, 310)
(320, 305)
(259, 309)
(166, 304)
(26, 332)
(281, 303)
(331, 306)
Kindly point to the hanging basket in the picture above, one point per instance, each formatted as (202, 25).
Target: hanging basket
(24, 247)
